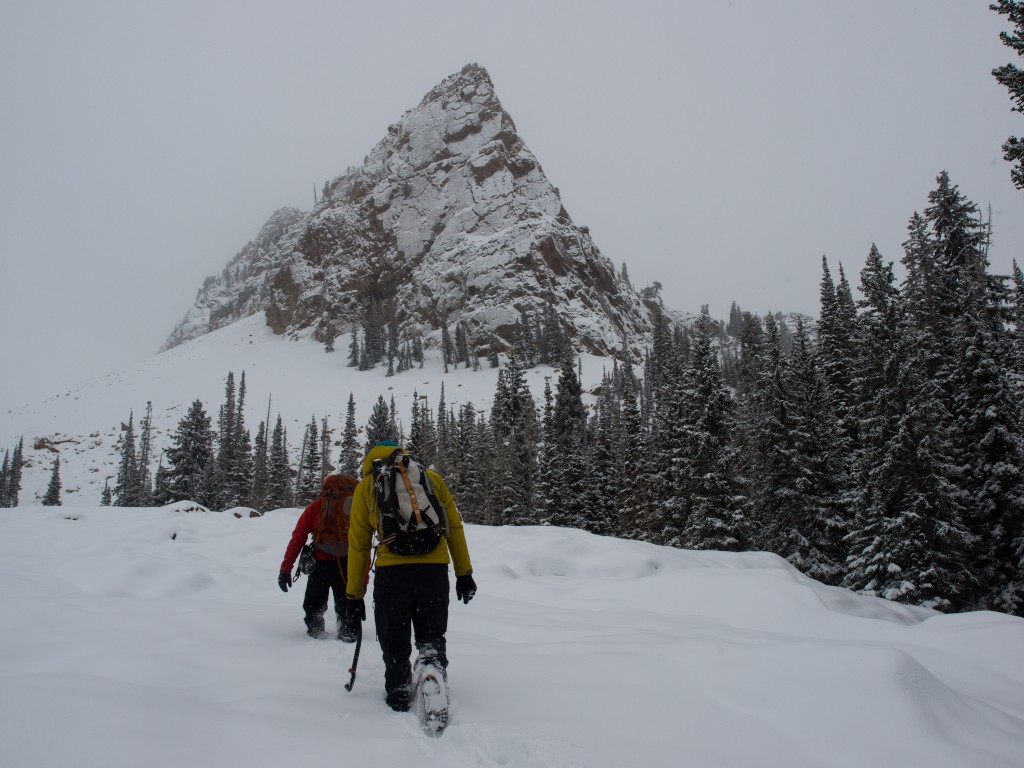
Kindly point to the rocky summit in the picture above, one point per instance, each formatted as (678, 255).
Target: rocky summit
(449, 219)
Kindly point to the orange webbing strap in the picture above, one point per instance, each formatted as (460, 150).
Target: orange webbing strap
(412, 493)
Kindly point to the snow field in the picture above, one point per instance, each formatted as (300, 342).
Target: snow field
(577, 651)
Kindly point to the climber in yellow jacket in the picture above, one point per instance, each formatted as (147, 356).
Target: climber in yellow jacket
(410, 591)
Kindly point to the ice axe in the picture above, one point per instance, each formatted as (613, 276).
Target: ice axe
(355, 659)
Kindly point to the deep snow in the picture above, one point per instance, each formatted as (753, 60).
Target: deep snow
(123, 646)
(158, 637)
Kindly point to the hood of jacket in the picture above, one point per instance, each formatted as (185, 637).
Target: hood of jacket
(378, 452)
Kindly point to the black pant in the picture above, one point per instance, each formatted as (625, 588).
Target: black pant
(410, 597)
(327, 575)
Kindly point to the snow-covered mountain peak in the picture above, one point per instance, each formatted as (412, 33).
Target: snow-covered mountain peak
(449, 219)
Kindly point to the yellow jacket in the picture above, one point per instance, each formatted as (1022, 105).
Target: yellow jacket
(365, 521)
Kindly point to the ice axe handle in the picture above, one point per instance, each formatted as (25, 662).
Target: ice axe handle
(355, 659)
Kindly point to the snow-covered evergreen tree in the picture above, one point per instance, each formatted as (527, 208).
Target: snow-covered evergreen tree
(777, 504)
(190, 456)
(823, 483)
(353, 350)
(310, 479)
(514, 425)
(381, 426)
(5, 473)
(144, 477)
(714, 506)
(1012, 77)
(350, 461)
(280, 493)
(326, 435)
(634, 499)
(126, 488)
(447, 347)
(908, 542)
(604, 463)
(52, 496)
(566, 505)
(260, 468)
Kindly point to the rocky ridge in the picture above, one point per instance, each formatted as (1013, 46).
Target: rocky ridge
(450, 218)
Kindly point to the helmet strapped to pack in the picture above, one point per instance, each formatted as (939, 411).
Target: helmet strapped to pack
(412, 520)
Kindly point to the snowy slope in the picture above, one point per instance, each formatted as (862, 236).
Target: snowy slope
(123, 646)
(82, 424)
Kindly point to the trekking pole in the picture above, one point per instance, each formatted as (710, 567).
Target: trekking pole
(355, 659)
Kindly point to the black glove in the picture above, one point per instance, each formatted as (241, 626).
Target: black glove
(465, 587)
(356, 609)
(284, 580)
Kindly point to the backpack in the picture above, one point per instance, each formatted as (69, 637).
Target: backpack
(330, 533)
(412, 520)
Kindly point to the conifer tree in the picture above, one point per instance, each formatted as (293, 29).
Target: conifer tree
(483, 498)
(553, 344)
(381, 426)
(1012, 77)
(835, 350)
(393, 350)
(326, 435)
(822, 460)
(714, 514)
(422, 433)
(353, 350)
(144, 477)
(279, 488)
(634, 501)
(777, 504)
(14, 476)
(969, 334)
(190, 456)
(543, 488)
(106, 496)
(374, 341)
(514, 424)
(241, 479)
(310, 477)
(462, 343)
(566, 504)
(1018, 325)
(350, 459)
(908, 541)
(443, 441)
(464, 474)
(126, 488)
(260, 468)
(5, 473)
(52, 496)
(667, 407)
(604, 464)
(526, 340)
(447, 347)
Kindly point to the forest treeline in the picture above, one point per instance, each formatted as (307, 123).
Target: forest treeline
(879, 449)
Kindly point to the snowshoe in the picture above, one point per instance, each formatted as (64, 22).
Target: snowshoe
(432, 700)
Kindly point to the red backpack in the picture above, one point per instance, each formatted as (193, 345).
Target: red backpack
(330, 534)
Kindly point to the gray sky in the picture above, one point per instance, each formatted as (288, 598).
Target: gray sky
(718, 147)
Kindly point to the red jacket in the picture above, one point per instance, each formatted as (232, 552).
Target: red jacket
(303, 528)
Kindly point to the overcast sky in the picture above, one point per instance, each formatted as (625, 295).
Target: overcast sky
(720, 148)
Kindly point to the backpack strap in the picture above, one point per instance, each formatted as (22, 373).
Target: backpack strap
(401, 467)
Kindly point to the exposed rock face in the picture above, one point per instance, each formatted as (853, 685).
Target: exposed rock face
(450, 218)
